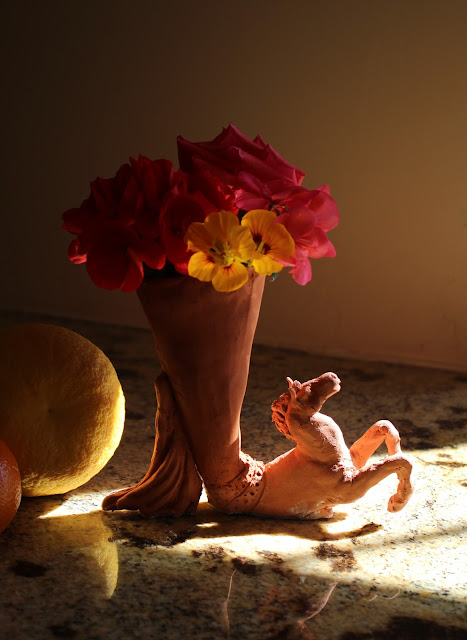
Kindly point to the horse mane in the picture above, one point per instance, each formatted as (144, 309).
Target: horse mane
(279, 411)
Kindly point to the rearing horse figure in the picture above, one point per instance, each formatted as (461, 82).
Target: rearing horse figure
(321, 471)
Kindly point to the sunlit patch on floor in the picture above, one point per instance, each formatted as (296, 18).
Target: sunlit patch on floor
(77, 503)
(414, 555)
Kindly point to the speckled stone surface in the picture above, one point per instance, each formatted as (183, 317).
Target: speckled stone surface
(70, 571)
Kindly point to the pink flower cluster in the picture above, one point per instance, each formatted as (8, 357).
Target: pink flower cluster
(139, 217)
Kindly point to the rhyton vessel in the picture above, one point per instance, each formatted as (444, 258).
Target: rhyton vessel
(204, 339)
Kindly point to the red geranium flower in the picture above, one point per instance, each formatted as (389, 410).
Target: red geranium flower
(118, 225)
(115, 255)
(114, 198)
(155, 180)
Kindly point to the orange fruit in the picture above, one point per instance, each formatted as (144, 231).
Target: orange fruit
(10, 486)
(62, 407)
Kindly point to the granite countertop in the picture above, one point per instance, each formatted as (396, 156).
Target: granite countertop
(71, 571)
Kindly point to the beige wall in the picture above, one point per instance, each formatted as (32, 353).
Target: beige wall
(367, 96)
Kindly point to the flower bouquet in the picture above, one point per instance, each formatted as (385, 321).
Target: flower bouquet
(233, 204)
(196, 243)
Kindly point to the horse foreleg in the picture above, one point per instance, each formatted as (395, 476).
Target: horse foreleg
(364, 447)
(370, 475)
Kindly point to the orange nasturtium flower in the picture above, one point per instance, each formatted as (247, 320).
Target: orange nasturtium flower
(272, 241)
(221, 245)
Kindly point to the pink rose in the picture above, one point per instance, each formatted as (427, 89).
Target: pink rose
(252, 168)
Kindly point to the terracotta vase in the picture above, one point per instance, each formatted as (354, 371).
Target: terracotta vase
(203, 339)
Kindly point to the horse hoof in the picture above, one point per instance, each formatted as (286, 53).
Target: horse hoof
(395, 505)
(321, 514)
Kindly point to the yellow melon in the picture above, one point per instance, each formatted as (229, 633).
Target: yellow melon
(62, 407)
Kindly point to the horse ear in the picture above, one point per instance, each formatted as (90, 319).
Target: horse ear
(292, 389)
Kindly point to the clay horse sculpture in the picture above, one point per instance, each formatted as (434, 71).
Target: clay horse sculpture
(321, 470)
(319, 473)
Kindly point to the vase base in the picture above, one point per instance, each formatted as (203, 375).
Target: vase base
(171, 486)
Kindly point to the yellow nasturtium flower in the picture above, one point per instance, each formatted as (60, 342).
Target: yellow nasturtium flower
(272, 241)
(221, 245)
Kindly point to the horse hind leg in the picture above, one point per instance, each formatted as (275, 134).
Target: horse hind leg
(404, 491)
(372, 474)
(364, 447)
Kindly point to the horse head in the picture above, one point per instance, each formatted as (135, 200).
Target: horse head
(305, 397)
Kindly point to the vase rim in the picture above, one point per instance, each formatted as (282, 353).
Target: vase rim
(189, 281)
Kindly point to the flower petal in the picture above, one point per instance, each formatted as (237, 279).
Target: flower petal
(331, 253)
(76, 220)
(177, 215)
(198, 237)
(201, 236)
(112, 261)
(76, 252)
(230, 278)
(318, 245)
(107, 268)
(201, 266)
(280, 242)
(300, 223)
(134, 273)
(220, 224)
(301, 271)
(325, 208)
(276, 241)
(151, 253)
(259, 221)
(266, 266)
(242, 243)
